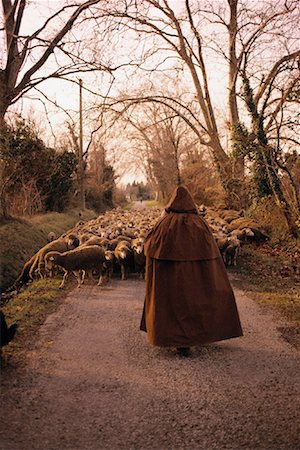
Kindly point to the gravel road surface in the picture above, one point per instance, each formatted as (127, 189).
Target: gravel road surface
(93, 382)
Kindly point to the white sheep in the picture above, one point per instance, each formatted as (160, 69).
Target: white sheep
(78, 261)
(139, 257)
(59, 245)
(124, 257)
(96, 240)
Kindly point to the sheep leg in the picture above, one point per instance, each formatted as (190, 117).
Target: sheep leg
(77, 274)
(227, 258)
(235, 256)
(223, 254)
(100, 281)
(33, 267)
(123, 272)
(64, 279)
(108, 274)
(83, 274)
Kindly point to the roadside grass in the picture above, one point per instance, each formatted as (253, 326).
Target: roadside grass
(57, 221)
(21, 238)
(270, 278)
(128, 206)
(29, 309)
(148, 203)
(153, 204)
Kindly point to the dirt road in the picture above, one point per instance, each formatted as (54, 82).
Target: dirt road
(93, 382)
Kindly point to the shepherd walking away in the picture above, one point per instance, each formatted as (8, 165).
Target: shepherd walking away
(189, 300)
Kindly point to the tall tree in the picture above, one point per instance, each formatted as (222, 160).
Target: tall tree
(266, 164)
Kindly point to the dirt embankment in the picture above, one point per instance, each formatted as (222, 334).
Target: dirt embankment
(93, 382)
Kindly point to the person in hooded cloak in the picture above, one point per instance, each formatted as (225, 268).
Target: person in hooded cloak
(189, 300)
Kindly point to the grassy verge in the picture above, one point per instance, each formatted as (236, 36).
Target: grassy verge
(271, 278)
(153, 204)
(20, 239)
(147, 203)
(29, 309)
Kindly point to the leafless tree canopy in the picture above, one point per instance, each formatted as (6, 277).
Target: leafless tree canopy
(228, 72)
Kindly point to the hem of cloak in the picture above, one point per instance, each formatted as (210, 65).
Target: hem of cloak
(196, 343)
(178, 259)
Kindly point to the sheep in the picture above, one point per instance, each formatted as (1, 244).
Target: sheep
(96, 240)
(258, 235)
(242, 222)
(242, 234)
(109, 263)
(222, 243)
(51, 236)
(112, 243)
(124, 257)
(24, 276)
(230, 214)
(83, 238)
(139, 257)
(231, 251)
(228, 246)
(60, 245)
(72, 240)
(79, 261)
(124, 238)
(127, 234)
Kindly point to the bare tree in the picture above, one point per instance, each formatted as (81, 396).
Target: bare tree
(156, 143)
(159, 141)
(182, 30)
(26, 55)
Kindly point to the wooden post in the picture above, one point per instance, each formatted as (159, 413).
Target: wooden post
(80, 156)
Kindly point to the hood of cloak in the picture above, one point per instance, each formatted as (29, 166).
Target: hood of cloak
(181, 202)
(181, 235)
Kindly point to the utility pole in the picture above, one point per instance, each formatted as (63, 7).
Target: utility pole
(80, 155)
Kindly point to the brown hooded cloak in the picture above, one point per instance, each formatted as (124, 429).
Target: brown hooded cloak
(189, 300)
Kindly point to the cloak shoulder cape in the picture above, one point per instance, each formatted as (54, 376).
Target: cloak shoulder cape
(181, 235)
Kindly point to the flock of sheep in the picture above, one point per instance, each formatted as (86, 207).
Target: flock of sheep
(113, 244)
(231, 229)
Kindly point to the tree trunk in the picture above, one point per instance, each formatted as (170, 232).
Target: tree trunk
(271, 184)
(234, 186)
(275, 183)
(4, 101)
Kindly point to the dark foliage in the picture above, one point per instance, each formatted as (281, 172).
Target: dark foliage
(60, 182)
(100, 193)
(34, 177)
